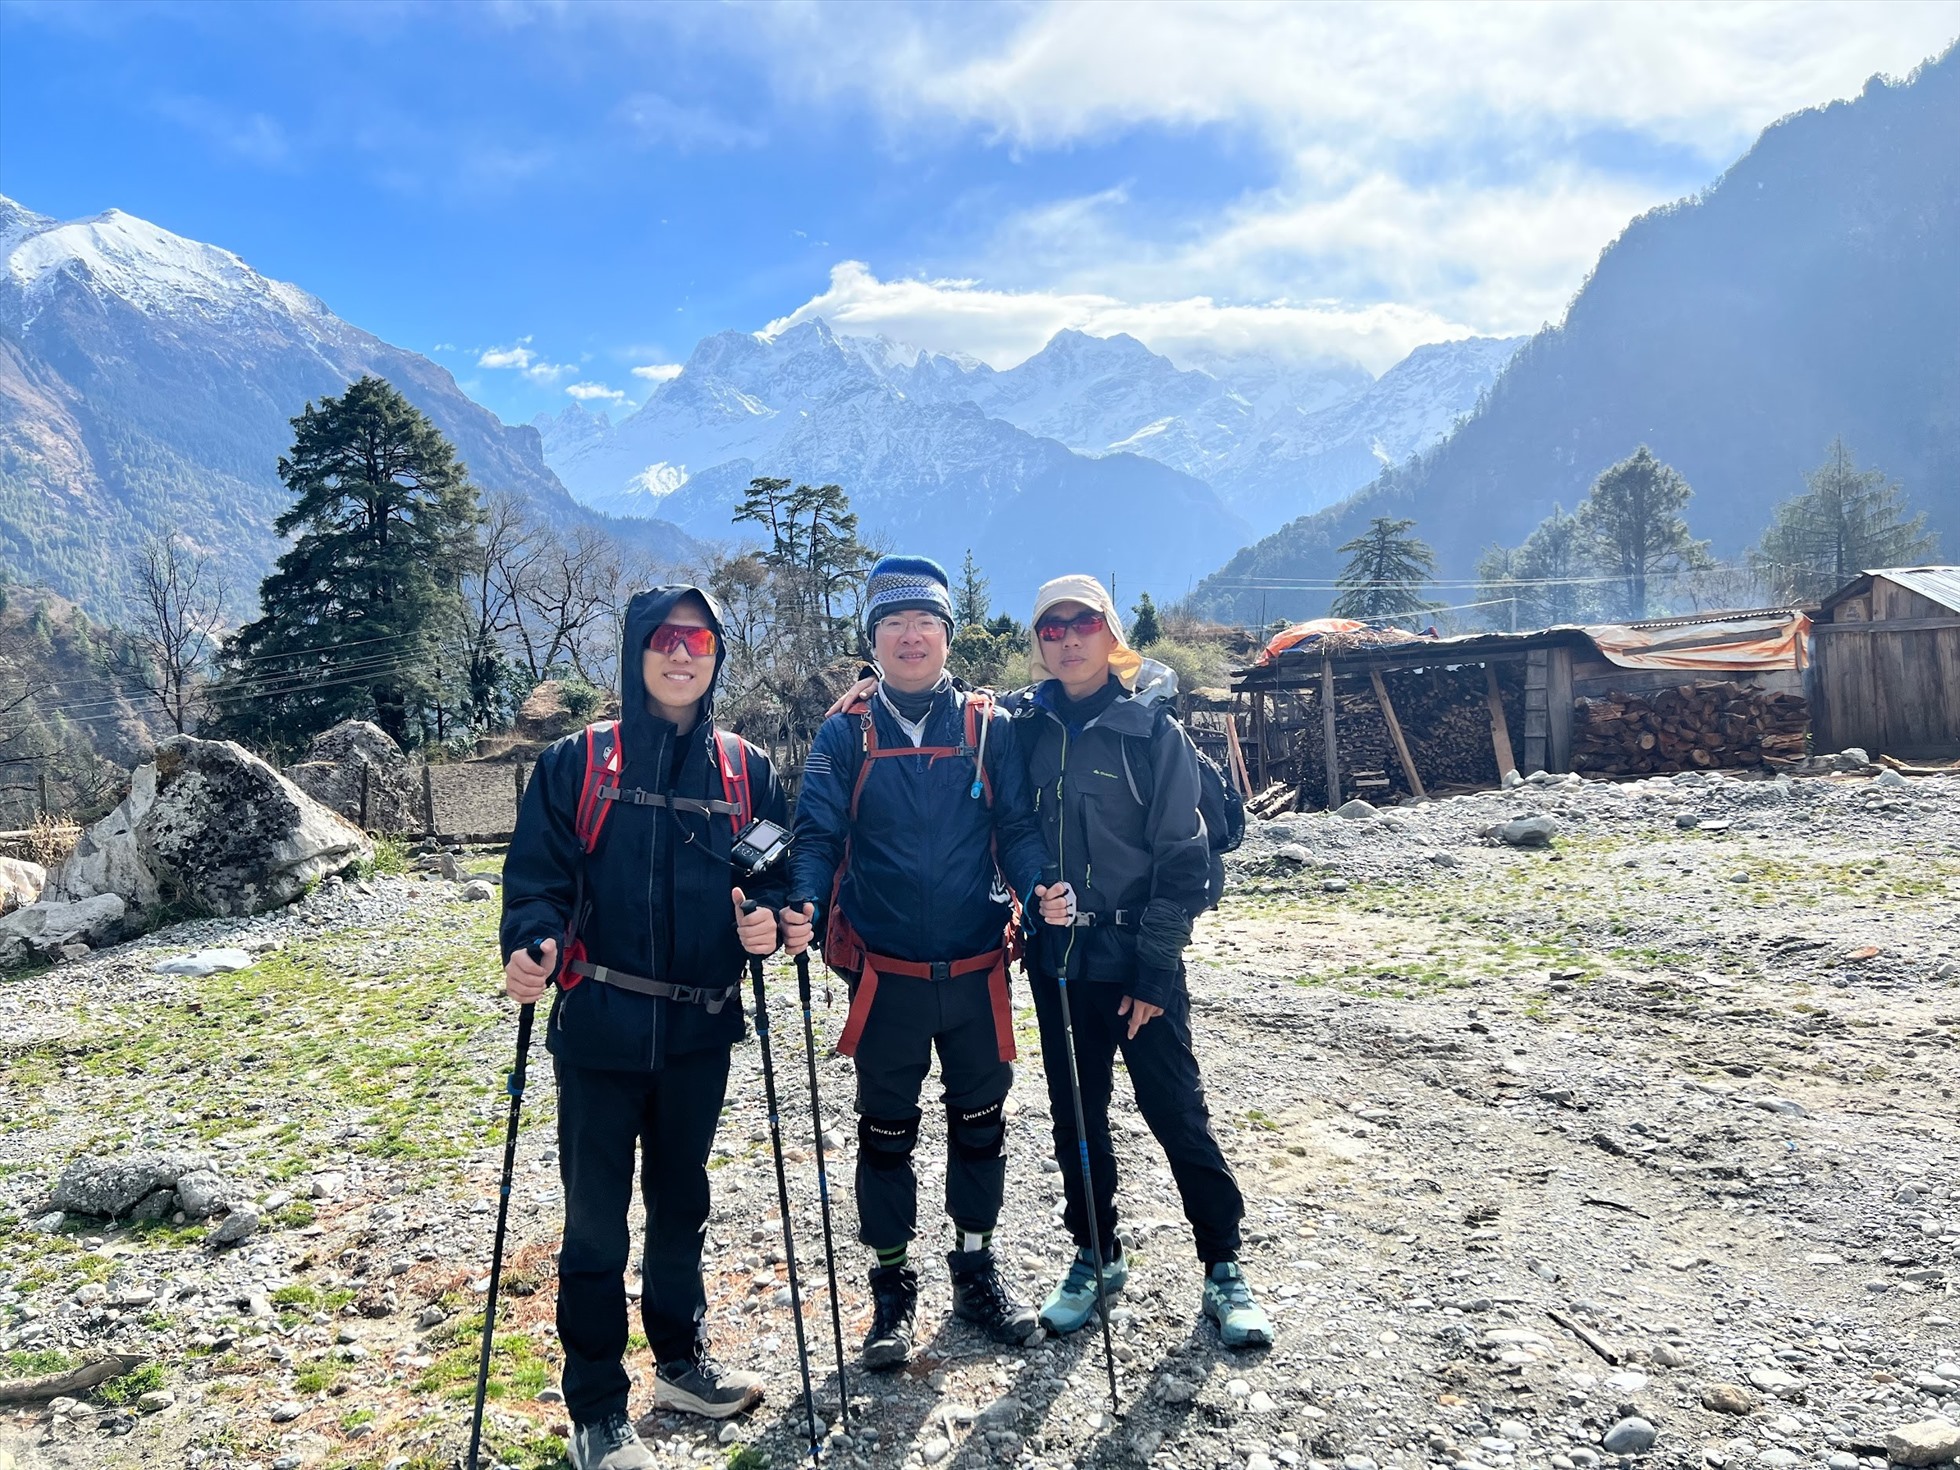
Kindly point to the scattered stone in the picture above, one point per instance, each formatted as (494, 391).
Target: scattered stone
(21, 883)
(1356, 809)
(240, 1223)
(1786, 1106)
(934, 1448)
(1333, 885)
(1890, 777)
(1776, 1381)
(1292, 852)
(1535, 831)
(201, 1193)
(477, 890)
(205, 962)
(1728, 1398)
(156, 1401)
(112, 1188)
(43, 928)
(1926, 1443)
(1667, 1355)
(285, 1413)
(1631, 1436)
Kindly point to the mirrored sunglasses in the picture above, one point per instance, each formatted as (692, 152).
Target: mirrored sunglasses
(699, 642)
(1086, 624)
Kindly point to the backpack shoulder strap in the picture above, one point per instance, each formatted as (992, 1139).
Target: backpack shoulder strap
(979, 720)
(733, 751)
(601, 770)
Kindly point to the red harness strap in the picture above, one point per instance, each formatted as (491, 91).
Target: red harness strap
(994, 962)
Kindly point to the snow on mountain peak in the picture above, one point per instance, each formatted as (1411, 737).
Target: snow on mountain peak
(153, 270)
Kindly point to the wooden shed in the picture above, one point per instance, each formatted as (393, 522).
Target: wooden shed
(1885, 664)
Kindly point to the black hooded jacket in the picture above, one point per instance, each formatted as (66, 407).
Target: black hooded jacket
(652, 866)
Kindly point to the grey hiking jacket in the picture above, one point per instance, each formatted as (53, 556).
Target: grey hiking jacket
(1117, 801)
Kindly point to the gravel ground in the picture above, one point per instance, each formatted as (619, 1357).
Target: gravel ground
(1653, 1123)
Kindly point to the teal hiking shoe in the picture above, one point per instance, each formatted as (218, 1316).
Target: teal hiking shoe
(1242, 1322)
(1073, 1303)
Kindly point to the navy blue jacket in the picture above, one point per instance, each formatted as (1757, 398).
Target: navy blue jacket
(656, 886)
(921, 884)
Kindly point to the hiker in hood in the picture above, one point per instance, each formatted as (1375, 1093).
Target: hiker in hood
(1116, 784)
(620, 871)
(914, 825)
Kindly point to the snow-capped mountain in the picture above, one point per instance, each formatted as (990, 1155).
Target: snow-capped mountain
(147, 382)
(1267, 437)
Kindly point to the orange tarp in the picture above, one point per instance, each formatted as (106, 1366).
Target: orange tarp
(1773, 641)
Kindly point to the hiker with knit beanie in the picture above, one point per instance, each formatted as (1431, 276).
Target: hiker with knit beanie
(1113, 772)
(914, 827)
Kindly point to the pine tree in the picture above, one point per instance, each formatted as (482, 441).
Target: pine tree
(1847, 521)
(1144, 630)
(1544, 581)
(1386, 571)
(970, 600)
(1632, 518)
(363, 616)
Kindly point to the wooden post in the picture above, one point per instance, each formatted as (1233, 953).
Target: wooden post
(1500, 731)
(364, 796)
(1257, 732)
(517, 773)
(41, 780)
(1537, 714)
(1237, 755)
(1395, 734)
(1333, 749)
(428, 803)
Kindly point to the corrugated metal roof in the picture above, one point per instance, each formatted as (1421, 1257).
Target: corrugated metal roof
(1940, 584)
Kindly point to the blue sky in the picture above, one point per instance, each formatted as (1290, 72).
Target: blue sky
(546, 197)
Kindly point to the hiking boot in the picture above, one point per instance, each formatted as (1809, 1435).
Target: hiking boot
(1242, 1322)
(895, 1297)
(610, 1444)
(700, 1385)
(1073, 1303)
(982, 1298)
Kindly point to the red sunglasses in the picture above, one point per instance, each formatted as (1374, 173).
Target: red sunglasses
(699, 642)
(1087, 624)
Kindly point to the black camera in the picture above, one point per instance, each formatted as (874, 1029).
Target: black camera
(758, 845)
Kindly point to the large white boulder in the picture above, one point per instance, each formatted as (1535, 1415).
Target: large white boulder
(41, 929)
(21, 883)
(210, 826)
(334, 766)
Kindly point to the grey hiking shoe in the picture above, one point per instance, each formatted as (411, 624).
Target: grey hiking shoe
(610, 1444)
(703, 1386)
(1073, 1303)
(1242, 1322)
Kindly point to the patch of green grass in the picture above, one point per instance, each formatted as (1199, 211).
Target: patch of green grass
(294, 1215)
(516, 1370)
(318, 1377)
(746, 1457)
(37, 1363)
(1260, 1120)
(132, 1386)
(160, 1233)
(299, 1294)
(355, 1418)
(391, 857)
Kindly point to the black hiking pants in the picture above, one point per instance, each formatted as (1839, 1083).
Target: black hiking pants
(670, 1117)
(1170, 1095)
(910, 1019)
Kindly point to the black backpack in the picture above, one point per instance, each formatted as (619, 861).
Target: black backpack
(1220, 804)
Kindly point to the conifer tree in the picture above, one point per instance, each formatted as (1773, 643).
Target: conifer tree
(1386, 571)
(971, 603)
(1543, 582)
(1144, 628)
(363, 616)
(1632, 517)
(1847, 521)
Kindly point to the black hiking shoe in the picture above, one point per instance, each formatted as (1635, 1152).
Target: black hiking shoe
(895, 1291)
(982, 1298)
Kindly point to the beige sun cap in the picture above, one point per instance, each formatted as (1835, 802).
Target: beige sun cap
(1124, 661)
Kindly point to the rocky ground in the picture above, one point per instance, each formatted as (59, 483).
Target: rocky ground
(1642, 1143)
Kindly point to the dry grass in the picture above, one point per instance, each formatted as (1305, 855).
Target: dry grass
(48, 842)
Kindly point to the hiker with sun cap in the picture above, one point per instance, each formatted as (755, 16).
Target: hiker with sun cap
(621, 875)
(914, 829)
(1115, 776)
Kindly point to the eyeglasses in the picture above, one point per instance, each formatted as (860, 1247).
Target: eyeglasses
(1085, 624)
(908, 623)
(699, 642)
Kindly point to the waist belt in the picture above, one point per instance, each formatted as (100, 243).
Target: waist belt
(993, 964)
(710, 998)
(632, 796)
(1114, 919)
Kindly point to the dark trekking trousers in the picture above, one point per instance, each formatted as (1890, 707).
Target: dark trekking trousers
(670, 1115)
(910, 1019)
(1170, 1095)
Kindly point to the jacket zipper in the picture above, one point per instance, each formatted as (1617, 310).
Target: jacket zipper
(661, 762)
(1061, 844)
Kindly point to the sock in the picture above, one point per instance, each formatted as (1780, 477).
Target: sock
(894, 1255)
(970, 1241)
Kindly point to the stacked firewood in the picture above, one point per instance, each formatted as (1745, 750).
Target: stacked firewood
(1714, 725)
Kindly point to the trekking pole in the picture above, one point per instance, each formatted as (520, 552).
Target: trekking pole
(749, 906)
(823, 1173)
(1088, 1181)
(514, 1084)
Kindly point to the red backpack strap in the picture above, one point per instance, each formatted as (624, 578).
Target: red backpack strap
(734, 753)
(601, 769)
(869, 727)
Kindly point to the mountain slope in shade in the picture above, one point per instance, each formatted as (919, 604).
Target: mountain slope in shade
(146, 384)
(1809, 293)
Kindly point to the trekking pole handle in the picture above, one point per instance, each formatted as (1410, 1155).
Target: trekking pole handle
(802, 956)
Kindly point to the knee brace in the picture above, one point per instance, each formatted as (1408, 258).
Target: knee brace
(977, 1133)
(887, 1142)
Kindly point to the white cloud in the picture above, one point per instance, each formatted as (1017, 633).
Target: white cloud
(520, 356)
(591, 392)
(658, 372)
(1004, 327)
